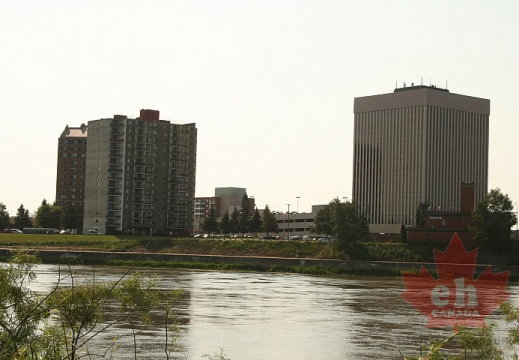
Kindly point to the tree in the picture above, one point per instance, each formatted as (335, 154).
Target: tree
(422, 208)
(20, 312)
(323, 221)
(225, 223)
(245, 216)
(210, 223)
(270, 224)
(48, 216)
(22, 218)
(492, 220)
(343, 220)
(256, 222)
(403, 234)
(4, 217)
(77, 309)
(235, 216)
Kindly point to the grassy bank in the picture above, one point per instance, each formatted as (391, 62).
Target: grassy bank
(226, 247)
(371, 251)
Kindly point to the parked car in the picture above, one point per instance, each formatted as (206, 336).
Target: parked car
(326, 239)
(12, 231)
(268, 237)
(306, 238)
(94, 232)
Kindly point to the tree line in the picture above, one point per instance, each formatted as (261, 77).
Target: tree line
(242, 221)
(47, 215)
(492, 220)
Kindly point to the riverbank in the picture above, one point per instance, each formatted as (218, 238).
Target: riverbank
(382, 259)
(222, 246)
(241, 263)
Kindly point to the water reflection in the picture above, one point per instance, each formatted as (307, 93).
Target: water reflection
(278, 316)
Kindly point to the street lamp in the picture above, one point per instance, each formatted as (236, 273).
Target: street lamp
(297, 203)
(288, 221)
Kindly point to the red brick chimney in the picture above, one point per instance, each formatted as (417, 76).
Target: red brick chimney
(149, 115)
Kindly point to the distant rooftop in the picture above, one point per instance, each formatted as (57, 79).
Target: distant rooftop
(80, 131)
(415, 87)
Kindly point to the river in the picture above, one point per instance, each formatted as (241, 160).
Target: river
(257, 316)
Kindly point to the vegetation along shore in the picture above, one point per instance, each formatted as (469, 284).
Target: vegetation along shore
(312, 257)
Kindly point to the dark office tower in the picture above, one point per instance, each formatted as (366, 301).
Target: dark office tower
(418, 144)
(140, 175)
(70, 179)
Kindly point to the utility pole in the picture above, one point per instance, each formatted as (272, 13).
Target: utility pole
(288, 221)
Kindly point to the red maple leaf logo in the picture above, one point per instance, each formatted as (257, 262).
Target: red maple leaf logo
(455, 298)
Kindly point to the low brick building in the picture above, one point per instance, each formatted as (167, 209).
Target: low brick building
(439, 226)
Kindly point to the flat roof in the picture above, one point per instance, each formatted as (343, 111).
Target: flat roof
(81, 131)
(419, 96)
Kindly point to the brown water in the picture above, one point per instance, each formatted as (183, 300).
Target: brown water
(257, 316)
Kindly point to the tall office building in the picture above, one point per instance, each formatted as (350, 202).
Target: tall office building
(418, 144)
(231, 197)
(70, 179)
(140, 175)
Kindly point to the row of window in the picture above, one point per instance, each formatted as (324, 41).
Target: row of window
(74, 155)
(70, 141)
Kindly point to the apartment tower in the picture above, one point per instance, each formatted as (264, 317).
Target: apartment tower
(70, 179)
(140, 175)
(418, 144)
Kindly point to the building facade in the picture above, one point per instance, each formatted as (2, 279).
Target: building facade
(70, 178)
(230, 198)
(295, 224)
(224, 199)
(418, 144)
(140, 175)
(440, 226)
(201, 208)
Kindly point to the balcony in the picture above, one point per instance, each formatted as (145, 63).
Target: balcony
(116, 138)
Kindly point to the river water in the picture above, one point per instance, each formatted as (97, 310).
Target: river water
(257, 316)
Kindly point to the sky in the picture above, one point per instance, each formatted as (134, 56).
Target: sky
(270, 84)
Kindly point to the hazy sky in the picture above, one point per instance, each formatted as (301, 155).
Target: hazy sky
(269, 84)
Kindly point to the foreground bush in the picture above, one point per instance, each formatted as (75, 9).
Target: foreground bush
(62, 323)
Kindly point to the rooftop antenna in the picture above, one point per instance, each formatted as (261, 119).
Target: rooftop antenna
(421, 81)
(446, 85)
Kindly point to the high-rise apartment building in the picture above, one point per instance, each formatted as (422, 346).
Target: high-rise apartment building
(70, 179)
(418, 144)
(140, 175)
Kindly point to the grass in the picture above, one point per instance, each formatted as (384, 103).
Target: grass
(370, 251)
(80, 242)
(375, 251)
(235, 247)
